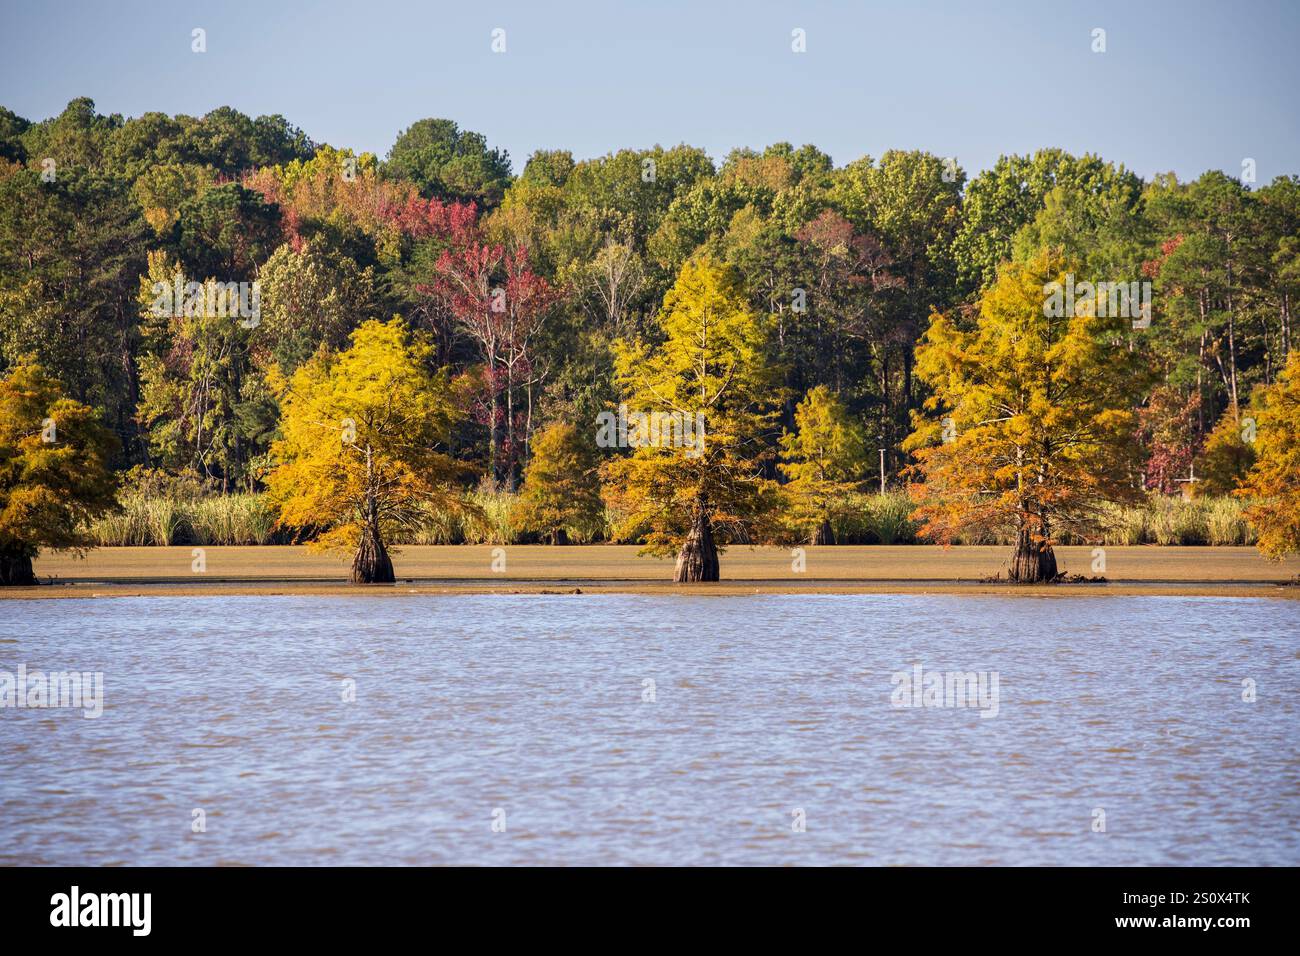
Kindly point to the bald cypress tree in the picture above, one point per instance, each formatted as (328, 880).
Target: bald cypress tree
(1030, 428)
(54, 474)
(361, 454)
(701, 400)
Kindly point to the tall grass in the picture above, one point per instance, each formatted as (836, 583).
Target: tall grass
(231, 519)
(492, 524)
(1225, 522)
(883, 519)
(122, 528)
(248, 519)
(1125, 525)
(145, 521)
(874, 519)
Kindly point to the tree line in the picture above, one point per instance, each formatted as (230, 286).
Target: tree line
(430, 320)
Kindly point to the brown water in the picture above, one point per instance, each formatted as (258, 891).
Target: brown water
(533, 712)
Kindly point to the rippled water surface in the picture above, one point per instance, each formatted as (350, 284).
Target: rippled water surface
(531, 710)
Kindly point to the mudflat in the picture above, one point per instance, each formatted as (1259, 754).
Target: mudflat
(618, 568)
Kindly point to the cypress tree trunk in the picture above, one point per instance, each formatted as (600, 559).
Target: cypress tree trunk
(698, 560)
(371, 565)
(824, 534)
(16, 569)
(1034, 561)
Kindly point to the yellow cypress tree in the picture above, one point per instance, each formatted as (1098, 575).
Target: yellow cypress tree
(359, 455)
(711, 365)
(54, 471)
(561, 491)
(823, 459)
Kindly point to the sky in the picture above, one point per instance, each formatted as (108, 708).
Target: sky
(1182, 86)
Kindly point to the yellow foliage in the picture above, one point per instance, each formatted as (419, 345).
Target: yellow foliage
(823, 458)
(712, 362)
(561, 492)
(54, 475)
(361, 432)
(1226, 458)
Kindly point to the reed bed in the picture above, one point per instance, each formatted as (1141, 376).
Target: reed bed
(490, 518)
(143, 521)
(487, 519)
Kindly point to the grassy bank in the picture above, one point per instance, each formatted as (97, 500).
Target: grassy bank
(161, 521)
(250, 519)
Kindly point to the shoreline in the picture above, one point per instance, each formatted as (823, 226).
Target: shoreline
(290, 570)
(721, 589)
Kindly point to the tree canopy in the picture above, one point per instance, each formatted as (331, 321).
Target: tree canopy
(777, 291)
(1031, 424)
(363, 447)
(54, 470)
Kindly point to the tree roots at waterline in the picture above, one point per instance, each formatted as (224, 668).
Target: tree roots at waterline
(372, 564)
(1034, 561)
(698, 559)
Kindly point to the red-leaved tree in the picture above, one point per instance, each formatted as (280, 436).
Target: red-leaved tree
(500, 303)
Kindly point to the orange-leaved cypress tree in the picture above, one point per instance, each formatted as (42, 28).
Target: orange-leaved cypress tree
(1031, 423)
(1274, 479)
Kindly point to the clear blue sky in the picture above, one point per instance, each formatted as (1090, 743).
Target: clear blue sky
(1185, 86)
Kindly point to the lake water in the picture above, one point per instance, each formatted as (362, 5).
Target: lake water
(533, 714)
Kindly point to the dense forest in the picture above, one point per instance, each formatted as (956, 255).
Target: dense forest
(844, 328)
